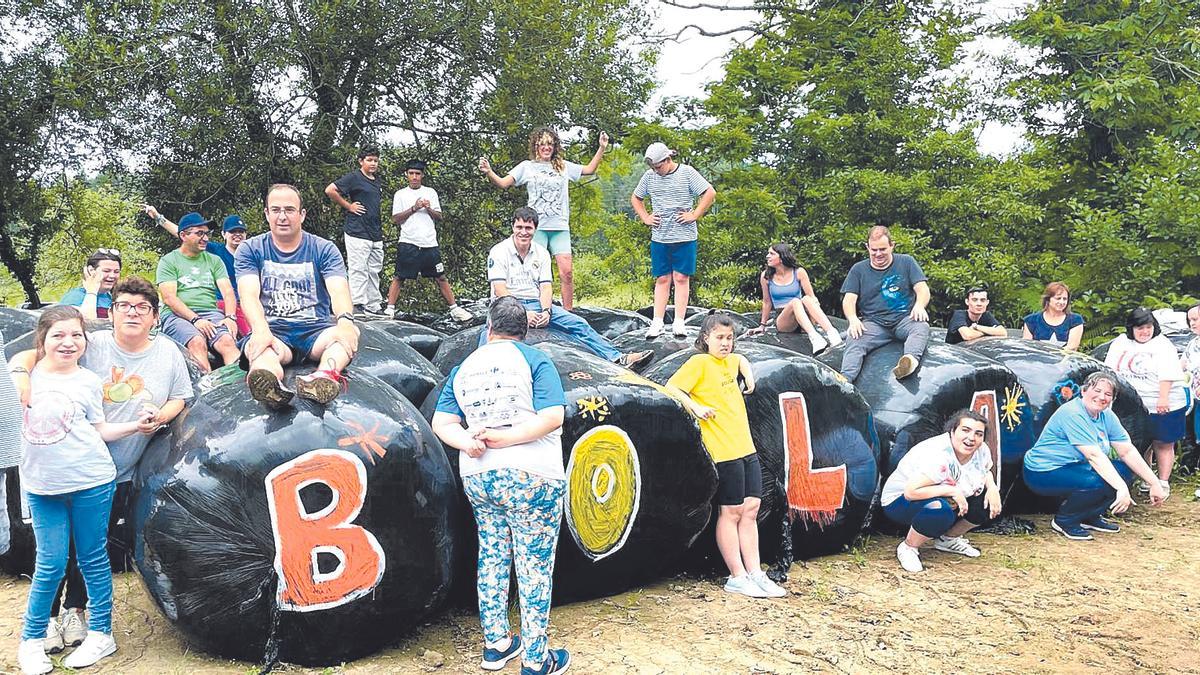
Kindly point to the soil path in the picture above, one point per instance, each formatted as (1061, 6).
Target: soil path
(1032, 604)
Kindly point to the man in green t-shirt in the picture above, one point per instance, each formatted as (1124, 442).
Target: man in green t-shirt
(188, 279)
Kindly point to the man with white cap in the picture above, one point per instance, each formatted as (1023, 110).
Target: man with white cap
(673, 189)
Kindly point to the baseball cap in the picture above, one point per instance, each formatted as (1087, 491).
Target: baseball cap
(193, 219)
(415, 164)
(657, 152)
(233, 222)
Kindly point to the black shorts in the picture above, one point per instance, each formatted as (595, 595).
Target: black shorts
(412, 260)
(737, 479)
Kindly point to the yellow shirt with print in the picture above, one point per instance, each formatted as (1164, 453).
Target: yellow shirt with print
(712, 383)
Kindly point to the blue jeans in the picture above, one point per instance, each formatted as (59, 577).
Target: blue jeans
(934, 517)
(81, 515)
(572, 327)
(518, 514)
(1086, 494)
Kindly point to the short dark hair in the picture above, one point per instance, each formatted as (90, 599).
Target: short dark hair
(367, 151)
(1141, 317)
(973, 290)
(51, 316)
(715, 318)
(137, 286)
(104, 254)
(958, 417)
(506, 317)
(527, 214)
(415, 164)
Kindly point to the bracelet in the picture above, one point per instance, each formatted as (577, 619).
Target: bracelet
(194, 319)
(345, 315)
(18, 369)
(160, 219)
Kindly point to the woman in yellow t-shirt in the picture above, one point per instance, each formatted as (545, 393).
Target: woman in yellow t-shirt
(708, 384)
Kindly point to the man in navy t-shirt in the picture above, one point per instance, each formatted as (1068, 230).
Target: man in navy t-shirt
(292, 285)
(359, 193)
(890, 293)
(975, 321)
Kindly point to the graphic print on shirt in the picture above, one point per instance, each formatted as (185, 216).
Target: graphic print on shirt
(48, 417)
(546, 187)
(119, 388)
(893, 293)
(1138, 366)
(289, 290)
(196, 277)
(492, 401)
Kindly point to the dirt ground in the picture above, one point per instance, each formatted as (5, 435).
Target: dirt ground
(1036, 603)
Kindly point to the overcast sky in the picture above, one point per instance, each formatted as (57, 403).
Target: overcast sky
(685, 66)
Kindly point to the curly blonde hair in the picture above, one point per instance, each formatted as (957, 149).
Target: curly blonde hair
(535, 139)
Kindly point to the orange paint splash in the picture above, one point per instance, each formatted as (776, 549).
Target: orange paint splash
(815, 495)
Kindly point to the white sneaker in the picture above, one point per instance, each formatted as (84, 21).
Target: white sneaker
(818, 343)
(678, 329)
(390, 311)
(54, 637)
(909, 557)
(958, 545)
(1166, 486)
(744, 585)
(74, 627)
(655, 329)
(459, 314)
(835, 338)
(772, 589)
(96, 646)
(31, 657)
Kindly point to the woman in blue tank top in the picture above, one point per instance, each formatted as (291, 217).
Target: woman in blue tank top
(787, 289)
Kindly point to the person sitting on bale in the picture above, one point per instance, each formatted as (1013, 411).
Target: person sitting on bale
(1084, 457)
(93, 296)
(943, 488)
(519, 267)
(975, 321)
(294, 291)
(1056, 323)
(891, 292)
(787, 289)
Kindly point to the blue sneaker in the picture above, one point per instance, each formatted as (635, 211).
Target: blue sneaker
(1075, 532)
(557, 661)
(496, 659)
(1101, 524)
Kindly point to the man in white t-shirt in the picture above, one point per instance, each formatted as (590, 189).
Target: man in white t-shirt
(415, 209)
(943, 488)
(521, 268)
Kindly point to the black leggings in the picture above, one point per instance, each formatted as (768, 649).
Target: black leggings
(120, 552)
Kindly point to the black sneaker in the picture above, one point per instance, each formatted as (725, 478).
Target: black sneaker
(267, 389)
(496, 659)
(1101, 524)
(557, 661)
(1075, 533)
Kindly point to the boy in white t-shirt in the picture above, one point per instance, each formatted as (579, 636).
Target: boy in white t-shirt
(414, 210)
(943, 488)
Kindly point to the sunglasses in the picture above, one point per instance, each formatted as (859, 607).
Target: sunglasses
(109, 251)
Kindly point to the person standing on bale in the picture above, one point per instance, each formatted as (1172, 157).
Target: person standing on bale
(890, 292)
(679, 196)
(943, 488)
(546, 176)
(360, 193)
(511, 399)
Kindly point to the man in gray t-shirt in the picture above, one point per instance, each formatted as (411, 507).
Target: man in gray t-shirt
(889, 291)
(679, 196)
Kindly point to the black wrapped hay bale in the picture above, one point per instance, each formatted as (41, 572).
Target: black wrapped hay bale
(949, 379)
(14, 322)
(692, 310)
(463, 343)
(612, 322)
(21, 549)
(661, 346)
(391, 359)
(421, 338)
(794, 342)
(741, 324)
(444, 323)
(818, 449)
(308, 535)
(639, 482)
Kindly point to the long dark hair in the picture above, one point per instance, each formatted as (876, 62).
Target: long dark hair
(51, 316)
(786, 258)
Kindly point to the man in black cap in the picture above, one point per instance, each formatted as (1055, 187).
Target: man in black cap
(188, 280)
(360, 193)
(415, 209)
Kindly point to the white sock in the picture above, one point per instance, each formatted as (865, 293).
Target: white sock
(501, 645)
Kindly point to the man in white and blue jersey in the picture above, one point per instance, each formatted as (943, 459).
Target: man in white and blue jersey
(673, 189)
(520, 268)
(510, 458)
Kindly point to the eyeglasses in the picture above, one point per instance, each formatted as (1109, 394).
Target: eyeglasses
(140, 309)
(203, 234)
(288, 210)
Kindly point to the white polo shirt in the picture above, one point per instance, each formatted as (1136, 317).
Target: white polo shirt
(523, 276)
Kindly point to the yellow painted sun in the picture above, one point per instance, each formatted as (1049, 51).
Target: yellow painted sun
(1012, 409)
